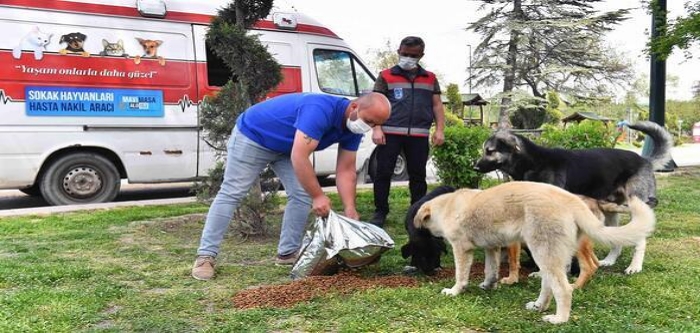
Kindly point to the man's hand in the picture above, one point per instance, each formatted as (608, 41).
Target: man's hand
(378, 136)
(352, 213)
(438, 137)
(321, 206)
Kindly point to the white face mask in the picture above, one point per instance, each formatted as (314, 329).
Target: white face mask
(357, 126)
(407, 63)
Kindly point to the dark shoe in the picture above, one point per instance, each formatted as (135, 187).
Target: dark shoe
(378, 219)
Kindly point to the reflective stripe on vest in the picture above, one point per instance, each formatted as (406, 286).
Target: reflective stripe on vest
(404, 131)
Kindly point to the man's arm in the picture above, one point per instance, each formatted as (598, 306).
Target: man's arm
(381, 87)
(302, 148)
(346, 181)
(439, 112)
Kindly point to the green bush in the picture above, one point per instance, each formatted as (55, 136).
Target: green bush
(586, 134)
(452, 119)
(455, 159)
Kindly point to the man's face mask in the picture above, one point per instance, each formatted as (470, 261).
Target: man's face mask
(408, 63)
(357, 126)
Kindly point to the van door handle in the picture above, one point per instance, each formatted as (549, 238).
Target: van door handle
(173, 152)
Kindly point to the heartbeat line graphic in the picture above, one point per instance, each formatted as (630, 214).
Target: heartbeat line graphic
(185, 102)
(4, 98)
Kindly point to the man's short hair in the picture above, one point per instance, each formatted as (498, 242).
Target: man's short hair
(412, 41)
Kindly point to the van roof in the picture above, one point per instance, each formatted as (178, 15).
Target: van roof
(199, 11)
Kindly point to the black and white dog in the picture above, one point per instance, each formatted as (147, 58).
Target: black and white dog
(599, 173)
(424, 249)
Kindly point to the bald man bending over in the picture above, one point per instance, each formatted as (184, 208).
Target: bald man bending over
(282, 132)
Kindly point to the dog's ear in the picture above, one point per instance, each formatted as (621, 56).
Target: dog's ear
(511, 140)
(158, 42)
(82, 36)
(407, 250)
(63, 39)
(141, 40)
(422, 216)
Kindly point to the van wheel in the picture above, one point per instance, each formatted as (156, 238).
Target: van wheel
(400, 169)
(80, 178)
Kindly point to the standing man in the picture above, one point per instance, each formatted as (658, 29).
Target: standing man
(414, 94)
(282, 132)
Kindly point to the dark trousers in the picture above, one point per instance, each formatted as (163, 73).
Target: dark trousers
(416, 150)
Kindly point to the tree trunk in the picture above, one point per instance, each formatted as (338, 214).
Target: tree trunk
(240, 15)
(511, 63)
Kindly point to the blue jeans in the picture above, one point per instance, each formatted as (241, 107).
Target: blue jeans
(245, 161)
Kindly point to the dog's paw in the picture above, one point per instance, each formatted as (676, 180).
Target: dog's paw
(488, 285)
(450, 292)
(137, 60)
(534, 306)
(535, 275)
(554, 319)
(607, 262)
(161, 61)
(62, 51)
(509, 280)
(85, 54)
(409, 270)
(633, 269)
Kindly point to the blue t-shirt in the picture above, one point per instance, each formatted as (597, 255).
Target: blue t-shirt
(273, 123)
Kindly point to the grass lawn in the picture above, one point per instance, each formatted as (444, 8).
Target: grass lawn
(128, 269)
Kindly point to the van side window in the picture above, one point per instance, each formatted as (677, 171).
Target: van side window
(217, 71)
(340, 73)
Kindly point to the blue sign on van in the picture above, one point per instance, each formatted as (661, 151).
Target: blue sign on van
(93, 102)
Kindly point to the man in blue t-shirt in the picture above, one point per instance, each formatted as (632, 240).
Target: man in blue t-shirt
(283, 132)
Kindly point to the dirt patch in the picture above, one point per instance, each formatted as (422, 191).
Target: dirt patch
(347, 282)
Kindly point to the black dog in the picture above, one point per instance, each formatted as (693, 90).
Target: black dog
(424, 249)
(598, 173)
(74, 42)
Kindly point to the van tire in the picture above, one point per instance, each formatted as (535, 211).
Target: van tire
(80, 178)
(400, 169)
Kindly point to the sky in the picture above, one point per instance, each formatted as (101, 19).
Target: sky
(366, 25)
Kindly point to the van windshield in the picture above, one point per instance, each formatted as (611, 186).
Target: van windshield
(340, 73)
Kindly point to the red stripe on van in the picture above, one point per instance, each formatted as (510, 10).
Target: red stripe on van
(81, 7)
(175, 78)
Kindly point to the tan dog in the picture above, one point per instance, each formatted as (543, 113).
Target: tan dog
(585, 254)
(150, 50)
(548, 219)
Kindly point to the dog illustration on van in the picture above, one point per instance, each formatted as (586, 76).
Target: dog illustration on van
(35, 41)
(150, 50)
(74, 44)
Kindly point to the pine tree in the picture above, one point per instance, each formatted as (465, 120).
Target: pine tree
(545, 45)
(254, 73)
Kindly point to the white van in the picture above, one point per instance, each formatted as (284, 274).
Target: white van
(92, 92)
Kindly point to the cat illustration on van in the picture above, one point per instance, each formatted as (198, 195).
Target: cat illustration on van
(113, 49)
(35, 41)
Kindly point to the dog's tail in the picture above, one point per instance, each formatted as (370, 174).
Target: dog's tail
(661, 139)
(640, 226)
